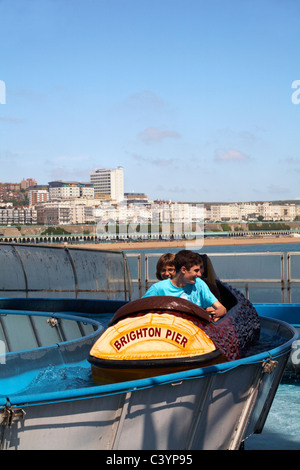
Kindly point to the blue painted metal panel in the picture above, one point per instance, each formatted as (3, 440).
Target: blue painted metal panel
(12, 276)
(205, 408)
(60, 272)
(289, 313)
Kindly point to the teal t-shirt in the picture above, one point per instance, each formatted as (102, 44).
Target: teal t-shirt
(197, 293)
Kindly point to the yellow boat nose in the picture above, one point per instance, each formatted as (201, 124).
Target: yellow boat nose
(152, 336)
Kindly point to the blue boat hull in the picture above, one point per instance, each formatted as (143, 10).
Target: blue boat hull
(215, 407)
(289, 313)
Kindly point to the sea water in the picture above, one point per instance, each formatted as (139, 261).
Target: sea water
(282, 428)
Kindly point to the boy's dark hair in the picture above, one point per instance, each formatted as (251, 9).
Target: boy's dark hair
(186, 258)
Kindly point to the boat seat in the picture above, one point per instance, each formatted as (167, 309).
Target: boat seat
(228, 299)
(210, 278)
(160, 304)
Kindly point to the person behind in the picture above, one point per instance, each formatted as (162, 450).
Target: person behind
(208, 275)
(165, 267)
(187, 284)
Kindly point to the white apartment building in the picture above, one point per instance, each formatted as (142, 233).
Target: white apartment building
(291, 212)
(61, 213)
(70, 190)
(18, 216)
(136, 198)
(284, 211)
(108, 183)
(151, 213)
(250, 211)
(183, 212)
(80, 211)
(218, 212)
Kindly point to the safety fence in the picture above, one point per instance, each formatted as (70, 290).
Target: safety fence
(262, 277)
(83, 273)
(29, 271)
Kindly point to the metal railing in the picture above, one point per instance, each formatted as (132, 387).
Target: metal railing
(293, 281)
(262, 276)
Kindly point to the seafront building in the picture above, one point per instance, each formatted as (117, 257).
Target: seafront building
(15, 216)
(251, 212)
(66, 212)
(108, 184)
(70, 190)
(91, 210)
(38, 194)
(102, 200)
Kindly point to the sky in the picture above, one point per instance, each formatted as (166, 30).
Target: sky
(193, 98)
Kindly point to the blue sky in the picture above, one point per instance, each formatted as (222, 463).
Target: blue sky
(193, 98)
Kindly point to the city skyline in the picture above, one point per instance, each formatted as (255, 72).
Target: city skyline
(197, 100)
(48, 185)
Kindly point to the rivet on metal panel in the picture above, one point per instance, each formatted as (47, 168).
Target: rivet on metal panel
(10, 415)
(52, 322)
(269, 366)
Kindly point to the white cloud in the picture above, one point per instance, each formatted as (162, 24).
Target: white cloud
(154, 135)
(156, 161)
(230, 155)
(70, 158)
(146, 98)
(7, 156)
(11, 120)
(63, 173)
(277, 189)
(292, 161)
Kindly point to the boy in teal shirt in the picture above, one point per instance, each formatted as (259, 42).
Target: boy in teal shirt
(187, 284)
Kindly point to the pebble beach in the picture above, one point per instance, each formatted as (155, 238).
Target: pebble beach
(184, 244)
